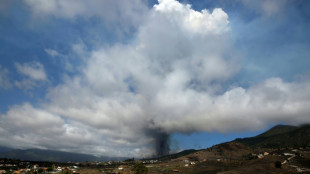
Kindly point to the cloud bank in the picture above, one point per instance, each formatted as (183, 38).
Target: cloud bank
(172, 77)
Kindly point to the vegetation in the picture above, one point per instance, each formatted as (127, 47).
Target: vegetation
(139, 168)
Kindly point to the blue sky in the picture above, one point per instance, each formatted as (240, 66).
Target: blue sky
(112, 75)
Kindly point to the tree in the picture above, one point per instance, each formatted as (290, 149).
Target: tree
(49, 169)
(278, 164)
(40, 171)
(139, 168)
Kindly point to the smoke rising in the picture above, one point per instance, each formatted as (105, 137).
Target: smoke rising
(161, 141)
(162, 144)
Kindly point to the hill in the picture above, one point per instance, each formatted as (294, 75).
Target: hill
(175, 155)
(52, 155)
(280, 136)
(4, 149)
(264, 153)
(276, 130)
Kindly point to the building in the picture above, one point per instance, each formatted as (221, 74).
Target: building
(260, 156)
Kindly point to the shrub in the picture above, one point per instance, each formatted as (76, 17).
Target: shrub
(139, 168)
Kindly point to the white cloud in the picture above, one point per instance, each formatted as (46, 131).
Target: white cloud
(52, 52)
(33, 70)
(170, 78)
(34, 75)
(198, 22)
(33, 120)
(26, 127)
(4, 80)
(121, 12)
(239, 109)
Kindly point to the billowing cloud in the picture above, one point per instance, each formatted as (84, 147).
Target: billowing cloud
(199, 22)
(172, 77)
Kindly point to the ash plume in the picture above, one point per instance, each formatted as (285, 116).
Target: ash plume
(161, 141)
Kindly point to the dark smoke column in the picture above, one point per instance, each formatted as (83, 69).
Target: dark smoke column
(161, 139)
(162, 144)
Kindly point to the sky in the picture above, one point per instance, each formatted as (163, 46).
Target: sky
(143, 77)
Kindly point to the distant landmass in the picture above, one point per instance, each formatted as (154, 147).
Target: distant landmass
(4, 149)
(51, 155)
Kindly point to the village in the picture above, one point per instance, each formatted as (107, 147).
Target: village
(16, 166)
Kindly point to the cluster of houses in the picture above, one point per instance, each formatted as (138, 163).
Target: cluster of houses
(261, 155)
(150, 161)
(26, 167)
(43, 170)
(187, 163)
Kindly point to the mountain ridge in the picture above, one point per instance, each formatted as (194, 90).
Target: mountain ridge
(53, 155)
(280, 136)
